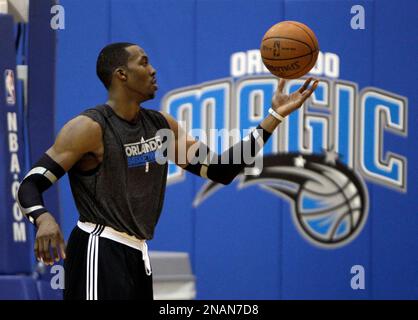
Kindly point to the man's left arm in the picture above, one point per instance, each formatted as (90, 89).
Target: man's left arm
(196, 157)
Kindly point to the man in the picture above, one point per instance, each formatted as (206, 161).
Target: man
(110, 153)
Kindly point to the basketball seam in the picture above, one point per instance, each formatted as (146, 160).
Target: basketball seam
(290, 58)
(313, 42)
(289, 75)
(311, 53)
(289, 39)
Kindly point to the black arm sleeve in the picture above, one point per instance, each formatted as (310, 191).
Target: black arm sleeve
(29, 195)
(225, 167)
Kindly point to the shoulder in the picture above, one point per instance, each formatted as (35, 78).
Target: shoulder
(83, 123)
(159, 116)
(81, 129)
(97, 114)
(169, 118)
(77, 137)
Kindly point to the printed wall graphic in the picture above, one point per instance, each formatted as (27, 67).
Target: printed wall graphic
(338, 188)
(330, 203)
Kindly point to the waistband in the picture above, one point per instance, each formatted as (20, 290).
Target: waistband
(121, 237)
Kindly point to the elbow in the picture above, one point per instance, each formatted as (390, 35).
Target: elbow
(19, 191)
(223, 174)
(227, 181)
(19, 196)
(224, 180)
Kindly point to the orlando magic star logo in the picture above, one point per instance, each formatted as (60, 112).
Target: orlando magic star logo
(329, 199)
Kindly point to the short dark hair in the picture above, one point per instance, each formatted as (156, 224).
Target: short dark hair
(111, 57)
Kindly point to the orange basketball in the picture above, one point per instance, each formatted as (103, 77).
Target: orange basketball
(289, 49)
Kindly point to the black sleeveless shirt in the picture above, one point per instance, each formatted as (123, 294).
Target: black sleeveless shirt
(126, 192)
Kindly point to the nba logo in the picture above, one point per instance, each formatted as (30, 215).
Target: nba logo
(9, 83)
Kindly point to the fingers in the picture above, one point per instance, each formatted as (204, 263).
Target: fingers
(58, 247)
(305, 85)
(307, 93)
(36, 250)
(44, 246)
(314, 86)
(49, 243)
(46, 253)
(54, 248)
(62, 246)
(42, 250)
(281, 85)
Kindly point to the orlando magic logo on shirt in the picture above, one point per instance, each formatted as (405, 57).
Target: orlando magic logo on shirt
(142, 152)
(329, 199)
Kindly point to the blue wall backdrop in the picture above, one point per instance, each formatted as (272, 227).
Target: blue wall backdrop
(245, 243)
(14, 235)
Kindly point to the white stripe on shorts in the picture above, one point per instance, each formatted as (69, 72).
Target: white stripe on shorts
(92, 263)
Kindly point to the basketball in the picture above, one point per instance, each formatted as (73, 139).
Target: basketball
(289, 49)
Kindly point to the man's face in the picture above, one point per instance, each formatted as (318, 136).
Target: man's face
(140, 74)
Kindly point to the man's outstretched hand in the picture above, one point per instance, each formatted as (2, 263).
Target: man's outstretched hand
(285, 104)
(49, 239)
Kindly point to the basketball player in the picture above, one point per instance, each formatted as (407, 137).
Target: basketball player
(118, 186)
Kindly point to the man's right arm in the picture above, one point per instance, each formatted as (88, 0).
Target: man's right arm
(78, 137)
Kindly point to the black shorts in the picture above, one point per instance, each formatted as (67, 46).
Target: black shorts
(98, 268)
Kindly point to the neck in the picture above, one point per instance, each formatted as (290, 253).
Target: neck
(124, 106)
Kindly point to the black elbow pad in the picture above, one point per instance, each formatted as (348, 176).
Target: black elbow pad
(42, 176)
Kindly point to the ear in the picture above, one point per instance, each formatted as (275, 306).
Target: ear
(121, 74)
